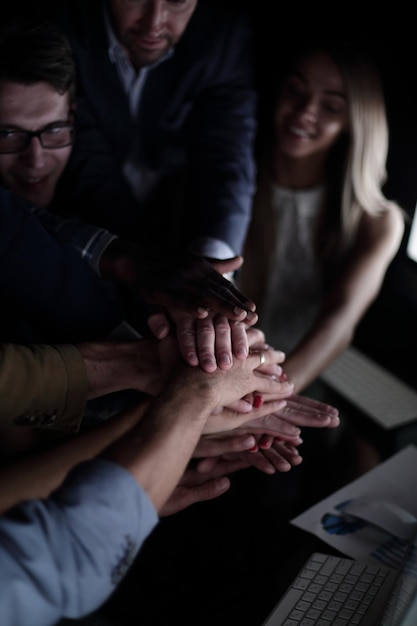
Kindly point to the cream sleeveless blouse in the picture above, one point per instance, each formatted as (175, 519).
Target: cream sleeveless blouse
(295, 285)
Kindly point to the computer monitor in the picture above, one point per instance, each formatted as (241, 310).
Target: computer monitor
(411, 244)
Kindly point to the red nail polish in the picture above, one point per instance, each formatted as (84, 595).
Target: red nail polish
(257, 401)
(266, 442)
(253, 449)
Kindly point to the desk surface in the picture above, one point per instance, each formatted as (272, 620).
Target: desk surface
(228, 561)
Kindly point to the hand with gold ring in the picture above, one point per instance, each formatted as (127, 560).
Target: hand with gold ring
(271, 369)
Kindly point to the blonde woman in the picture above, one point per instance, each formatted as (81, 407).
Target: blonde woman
(323, 233)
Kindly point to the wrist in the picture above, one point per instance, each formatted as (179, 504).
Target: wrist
(115, 262)
(192, 386)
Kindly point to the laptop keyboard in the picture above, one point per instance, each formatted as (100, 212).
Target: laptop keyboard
(334, 591)
(371, 388)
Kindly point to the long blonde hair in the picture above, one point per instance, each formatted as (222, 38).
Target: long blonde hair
(364, 172)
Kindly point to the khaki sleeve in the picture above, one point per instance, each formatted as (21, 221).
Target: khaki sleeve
(42, 386)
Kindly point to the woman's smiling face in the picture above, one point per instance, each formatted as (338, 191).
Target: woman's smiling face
(312, 109)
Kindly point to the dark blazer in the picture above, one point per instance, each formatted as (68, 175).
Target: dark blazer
(197, 115)
(48, 293)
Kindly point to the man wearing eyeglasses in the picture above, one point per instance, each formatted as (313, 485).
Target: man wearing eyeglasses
(32, 160)
(48, 292)
(36, 129)
(37, 85)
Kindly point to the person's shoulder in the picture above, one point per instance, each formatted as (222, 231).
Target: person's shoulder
(9, 200)
(386, 226)
(395, 220)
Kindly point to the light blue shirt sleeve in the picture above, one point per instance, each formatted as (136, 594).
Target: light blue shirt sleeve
(64, 556)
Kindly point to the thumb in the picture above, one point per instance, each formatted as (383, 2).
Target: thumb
(159, 324)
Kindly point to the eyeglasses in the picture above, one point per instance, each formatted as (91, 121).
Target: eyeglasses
(52, 138)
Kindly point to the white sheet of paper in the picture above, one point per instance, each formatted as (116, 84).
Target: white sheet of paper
(393, 480)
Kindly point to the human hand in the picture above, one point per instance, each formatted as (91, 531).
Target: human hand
(278, 431)
(281, 424)
(209, 343)
(279, 456)
(195, 487)
(230, 415)
(256, 343)
(223, 388)
(295, 411)
(234, 418)
(113, 366)
(178, 279)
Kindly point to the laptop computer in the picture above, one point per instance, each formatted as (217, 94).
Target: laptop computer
(338, 591)
(372, 389)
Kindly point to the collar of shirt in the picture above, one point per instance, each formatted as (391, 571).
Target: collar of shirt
(132, 81)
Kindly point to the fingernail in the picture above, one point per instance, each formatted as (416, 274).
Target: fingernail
(192, 359)
(254, 448)
(257, 401)
(252, 317)
(241, 352)
(225, 359)
(238, 311)
(249, 442)
(222, 483)
(202, 312)
(209, 365)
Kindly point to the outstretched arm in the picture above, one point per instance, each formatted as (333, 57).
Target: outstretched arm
(182, 281)
(59, 379)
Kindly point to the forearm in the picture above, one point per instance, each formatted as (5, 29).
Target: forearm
(115, 366)
(353, 291)
(321, 345)
(38, 475)
(158, 450)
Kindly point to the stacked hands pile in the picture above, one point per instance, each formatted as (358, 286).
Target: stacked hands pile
(261, 430)
(215, 333)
